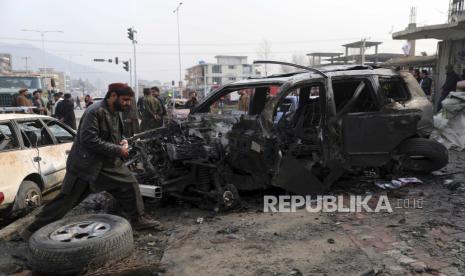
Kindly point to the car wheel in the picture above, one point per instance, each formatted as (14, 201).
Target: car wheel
(423, 155)
(29, 196)
(70, 245)
(230, 198)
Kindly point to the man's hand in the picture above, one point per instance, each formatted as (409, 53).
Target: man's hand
(124, 152)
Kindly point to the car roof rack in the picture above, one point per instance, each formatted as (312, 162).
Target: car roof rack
(292, 65)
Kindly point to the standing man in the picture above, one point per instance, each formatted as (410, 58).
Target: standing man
(156, 93)
(21, 99)
(150, 111)
(449, 85)
(57, 97)
(65, 111)
(95, 164)
(426, 82)
(131, 119)
(78, 103)
(243, 104)
(39, 103)
(192, 102)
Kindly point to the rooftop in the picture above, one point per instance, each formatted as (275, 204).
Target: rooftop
(359, 44)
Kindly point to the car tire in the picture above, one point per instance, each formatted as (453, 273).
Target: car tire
(29, 196)
(423, 155)
(100, 238)
(230, 198)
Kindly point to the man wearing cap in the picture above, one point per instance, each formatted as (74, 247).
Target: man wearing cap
(95, 164)
(39, 103)
(21, 99)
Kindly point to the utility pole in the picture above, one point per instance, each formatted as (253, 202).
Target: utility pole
(179, 43)
(131, 35)
(42, 34)
(362, 51)
(205, 80)
(26, 58)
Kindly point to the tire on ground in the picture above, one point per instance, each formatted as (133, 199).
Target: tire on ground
(58, 257)
(27, 187)
(423, 155)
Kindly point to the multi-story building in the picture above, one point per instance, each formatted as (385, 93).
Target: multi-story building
(5, 63)
(60, 79)
(205, 76)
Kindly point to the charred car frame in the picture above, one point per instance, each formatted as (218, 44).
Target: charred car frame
(349, 119)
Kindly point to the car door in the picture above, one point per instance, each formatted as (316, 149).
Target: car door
(50, 159)
(63, 137)
(16, 162)
(369, 135)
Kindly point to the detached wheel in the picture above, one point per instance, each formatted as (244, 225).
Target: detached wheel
(230, 198)
(423, 155)
(29, 196)
(70, 245)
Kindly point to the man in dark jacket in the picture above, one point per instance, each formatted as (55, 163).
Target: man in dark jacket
(95, 164)
(450, 84)
(39, 103)
(426, 82)
(65, 111)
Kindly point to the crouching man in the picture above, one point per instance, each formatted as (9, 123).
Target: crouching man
(95, 164)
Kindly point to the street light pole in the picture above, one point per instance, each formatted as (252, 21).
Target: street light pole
(42, 35)
(179, 43)
(26, 58)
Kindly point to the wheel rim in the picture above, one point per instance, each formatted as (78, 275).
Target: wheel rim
(32, 198)
(228, 198)
(80, 231)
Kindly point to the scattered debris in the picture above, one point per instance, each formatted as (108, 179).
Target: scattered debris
(396, 184)
(199, 220)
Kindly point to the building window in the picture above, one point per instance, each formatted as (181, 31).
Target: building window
(247, 69)
(216, 69)
(216, 80)
(232, 78)
(231, 67)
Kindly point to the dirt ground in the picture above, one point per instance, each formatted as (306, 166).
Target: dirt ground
(426, 239)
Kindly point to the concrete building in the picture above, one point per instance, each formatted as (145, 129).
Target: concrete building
(451, 45)
(62, 81)
(5, 63)
(206, 76)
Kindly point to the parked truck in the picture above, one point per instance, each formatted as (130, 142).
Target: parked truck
(11, 84)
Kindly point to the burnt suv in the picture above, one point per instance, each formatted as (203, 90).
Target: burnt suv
(348, 119)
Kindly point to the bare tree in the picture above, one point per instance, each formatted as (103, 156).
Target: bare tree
(264, 52)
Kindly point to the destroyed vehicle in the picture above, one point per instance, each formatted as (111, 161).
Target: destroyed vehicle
(33, 151)
(349, 119)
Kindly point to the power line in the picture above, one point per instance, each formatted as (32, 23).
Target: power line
(183, 44)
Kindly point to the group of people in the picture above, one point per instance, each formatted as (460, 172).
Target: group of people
(62, 106)
(449, 85)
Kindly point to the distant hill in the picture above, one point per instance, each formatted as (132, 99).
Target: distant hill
(97, 77)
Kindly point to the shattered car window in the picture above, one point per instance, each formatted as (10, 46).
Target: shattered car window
(7, 138)
(344, 91)
(394, 89)
(235, 102)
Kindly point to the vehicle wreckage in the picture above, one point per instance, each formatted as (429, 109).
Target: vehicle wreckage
(349, 119)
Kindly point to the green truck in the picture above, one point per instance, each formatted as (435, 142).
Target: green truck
(11, 84)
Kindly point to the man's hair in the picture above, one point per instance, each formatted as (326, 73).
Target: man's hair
(424, 72)
(22, 90)
(67, 96)
(147, 91)
(37, 91)
(60, 94)
(121, 89)
(155, 88)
